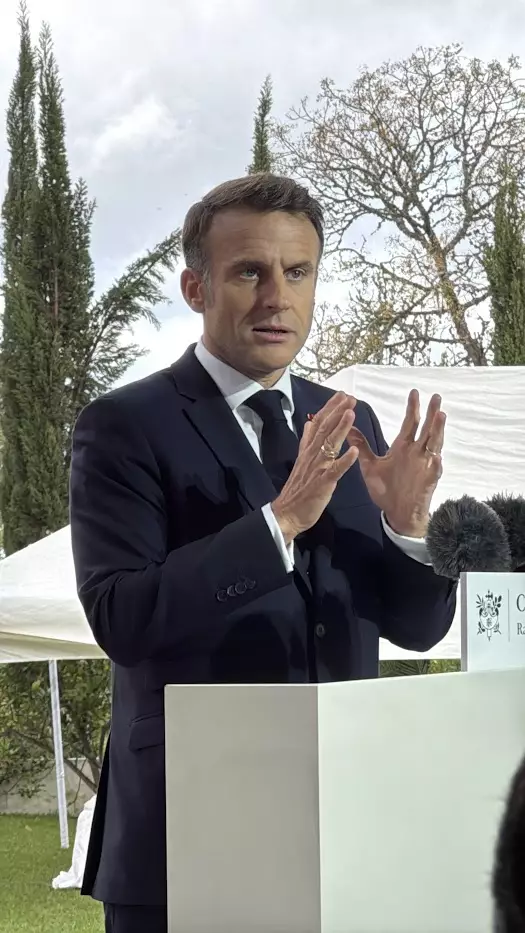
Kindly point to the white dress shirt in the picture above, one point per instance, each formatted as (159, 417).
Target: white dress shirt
(237, 389)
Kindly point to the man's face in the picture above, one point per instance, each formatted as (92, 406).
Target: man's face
(258, 303)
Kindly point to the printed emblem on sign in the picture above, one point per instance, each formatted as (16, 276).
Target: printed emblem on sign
(488, 614)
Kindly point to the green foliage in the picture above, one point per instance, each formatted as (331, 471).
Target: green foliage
(262, 158)
(445, 666)
(505, 268)
(423, 666)
(17, 255)
(61, 347)
(26, 740)
(404, 668)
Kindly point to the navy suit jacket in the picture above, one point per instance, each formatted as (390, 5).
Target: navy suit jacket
(182, 582)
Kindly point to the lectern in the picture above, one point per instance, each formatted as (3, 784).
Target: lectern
(365, 807)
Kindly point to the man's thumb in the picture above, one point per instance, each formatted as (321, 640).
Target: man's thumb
(356, 439)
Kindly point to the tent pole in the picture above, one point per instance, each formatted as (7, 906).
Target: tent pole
(59, 754)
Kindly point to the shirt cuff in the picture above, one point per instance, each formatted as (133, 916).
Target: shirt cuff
(286, 551)
(416, 548)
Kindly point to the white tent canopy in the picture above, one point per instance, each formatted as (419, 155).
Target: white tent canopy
(41, 617)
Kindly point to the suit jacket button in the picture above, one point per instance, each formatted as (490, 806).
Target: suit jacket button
(250, 584)
(221, 595)
(232, 590)
(320, 630)
(240, 588)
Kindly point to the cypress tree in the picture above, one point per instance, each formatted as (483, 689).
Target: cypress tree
(262, 158)
(61, 347)
(19, 289)
(505, 267)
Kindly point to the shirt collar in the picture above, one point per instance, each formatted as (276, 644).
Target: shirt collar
(235, 387)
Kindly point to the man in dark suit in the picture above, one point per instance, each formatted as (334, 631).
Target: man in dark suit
(232, 523)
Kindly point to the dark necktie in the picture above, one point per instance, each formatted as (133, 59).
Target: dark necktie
(279, 448)
(279, 445)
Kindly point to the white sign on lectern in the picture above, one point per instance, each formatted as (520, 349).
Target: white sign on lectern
(492, 621)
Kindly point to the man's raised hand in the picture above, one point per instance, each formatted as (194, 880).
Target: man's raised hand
(318, 468)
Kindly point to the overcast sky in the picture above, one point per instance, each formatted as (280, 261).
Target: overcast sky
(159, 97)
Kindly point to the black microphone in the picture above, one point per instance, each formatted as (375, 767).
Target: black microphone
(509, 860)
(465, 535)
(511, 510)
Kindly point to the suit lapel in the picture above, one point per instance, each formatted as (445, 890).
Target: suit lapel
(302, 406)
(212, 417)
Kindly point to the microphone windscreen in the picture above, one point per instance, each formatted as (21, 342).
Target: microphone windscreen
(465, 535)
(511, 510)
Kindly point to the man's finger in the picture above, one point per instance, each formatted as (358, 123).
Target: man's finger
(412, 417)
(427, 429)
(329, 407)
(436, 436)
(326, 424)
(332, 443)
(343, 464)
(340, 399)
(306, 435)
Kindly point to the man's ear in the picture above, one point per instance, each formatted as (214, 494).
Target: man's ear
(193, 288)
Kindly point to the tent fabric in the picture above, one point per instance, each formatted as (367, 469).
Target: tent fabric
(41, 617)
(484, 449)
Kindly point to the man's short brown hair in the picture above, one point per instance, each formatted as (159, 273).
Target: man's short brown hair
(259, 192)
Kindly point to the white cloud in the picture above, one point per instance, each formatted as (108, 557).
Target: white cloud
(147, 123)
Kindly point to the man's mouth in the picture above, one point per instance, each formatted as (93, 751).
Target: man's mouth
(270, 333)
(271, 329)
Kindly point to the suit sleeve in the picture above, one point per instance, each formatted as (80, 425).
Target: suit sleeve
(141, 601)
(418, 605)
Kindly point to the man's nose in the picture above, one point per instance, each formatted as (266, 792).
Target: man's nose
(275, 293)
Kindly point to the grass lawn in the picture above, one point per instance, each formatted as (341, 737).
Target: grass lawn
(30, 856)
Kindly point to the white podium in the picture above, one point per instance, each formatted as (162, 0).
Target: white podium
(365, 807)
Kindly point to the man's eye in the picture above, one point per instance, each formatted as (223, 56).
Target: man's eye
(252, 272)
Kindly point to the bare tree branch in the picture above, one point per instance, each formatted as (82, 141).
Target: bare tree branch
(413, 148)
